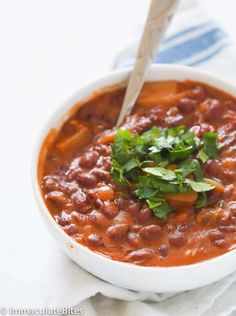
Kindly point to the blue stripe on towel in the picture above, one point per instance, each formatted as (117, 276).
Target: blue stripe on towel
(206, 58)
(187, 31)
(189, 48)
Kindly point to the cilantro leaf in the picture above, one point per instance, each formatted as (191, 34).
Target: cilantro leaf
(210, 146)
(189, 166)
(131, 164)
(199, 186)
(121, 148)
(201, 201)
(141, 163)
(167, 186)
(118, 173)
(179, 154)
(202, 155)
(162, 173)
(159, 207)
(145, 188)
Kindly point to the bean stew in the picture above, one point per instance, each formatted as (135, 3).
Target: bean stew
(158, 191)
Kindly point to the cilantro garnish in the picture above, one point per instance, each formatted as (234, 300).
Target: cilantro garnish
(201, 201)
(160, 162)
(210, 147)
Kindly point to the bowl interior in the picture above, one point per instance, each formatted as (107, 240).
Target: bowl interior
(156, 73)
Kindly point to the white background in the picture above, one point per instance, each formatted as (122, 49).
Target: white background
(48, 48)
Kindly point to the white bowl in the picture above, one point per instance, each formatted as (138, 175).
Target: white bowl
(139, 278)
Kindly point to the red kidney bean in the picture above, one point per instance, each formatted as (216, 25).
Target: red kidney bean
(133, 239)
(71, 229)
(136, 228)
(229, 175)
(144, 214)
(177, 239)
(187, 105)
(103, 149)
(89, 159)
(98, 204)
(212, 110)
(184, 227)
(233, 219)
(87, 180)
(57, 197)
(140, 255)
(196, 129)
(163, 250)
(157, 115)
(63, 219)
(169, 227)
(227, 229)
(123, 217)
(109, 209)
(172, 121)
(73, 173)
(74, 164)
(150, 232)
(99, 219)
(79, 218)
(201, 129)
(228, 190)
(133, 208)
(142, 124)
(230, 139)
(226, 220)
(95, 240)
(68, 187)
(121, 203)
(50, 183)
(79, 199)
(231, 105)
(212, 168)
(105, 163)
(199, 93)
(230, 127)
(91, 195)
(215, 196)
(69, 206)
(232, 207)
(102, 174)
(215, 235)
(117, 231)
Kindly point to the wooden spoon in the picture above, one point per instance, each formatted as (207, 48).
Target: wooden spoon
(159, 17)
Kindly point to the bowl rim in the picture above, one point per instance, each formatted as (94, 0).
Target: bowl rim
(66, 105)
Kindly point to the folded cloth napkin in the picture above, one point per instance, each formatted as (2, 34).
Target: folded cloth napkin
(63, 283)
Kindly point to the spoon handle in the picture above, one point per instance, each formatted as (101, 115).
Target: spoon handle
(158, 19)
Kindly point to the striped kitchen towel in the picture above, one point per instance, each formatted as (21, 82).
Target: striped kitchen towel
(194, 39)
